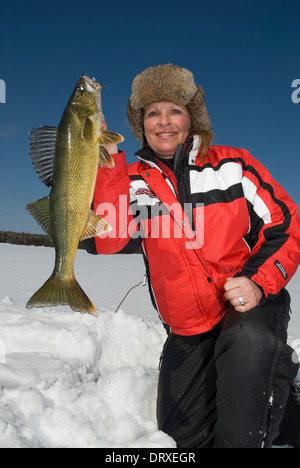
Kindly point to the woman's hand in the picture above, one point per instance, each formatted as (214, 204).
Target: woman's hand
(112, 149)
(241, 290)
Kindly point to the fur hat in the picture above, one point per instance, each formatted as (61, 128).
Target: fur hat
(167, 83)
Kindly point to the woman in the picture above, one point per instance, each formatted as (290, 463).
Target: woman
(220, 239)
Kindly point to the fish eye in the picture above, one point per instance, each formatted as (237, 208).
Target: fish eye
(80, 88)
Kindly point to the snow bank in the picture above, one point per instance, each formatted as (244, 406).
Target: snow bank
(72, 380)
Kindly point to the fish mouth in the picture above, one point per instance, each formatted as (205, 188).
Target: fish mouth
(93, 87)
(91, 84)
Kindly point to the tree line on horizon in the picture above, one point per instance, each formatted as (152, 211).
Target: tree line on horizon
(25, 238)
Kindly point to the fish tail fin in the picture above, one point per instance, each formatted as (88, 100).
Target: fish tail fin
(58, 292)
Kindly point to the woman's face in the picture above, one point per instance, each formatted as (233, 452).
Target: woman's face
(165, 126)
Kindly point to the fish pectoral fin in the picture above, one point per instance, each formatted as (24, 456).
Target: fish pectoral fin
(40, 210)
(90, 128)
(105, 159)
(109, 138)
(95, 226)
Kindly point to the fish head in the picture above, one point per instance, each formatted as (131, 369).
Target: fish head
(86, 97)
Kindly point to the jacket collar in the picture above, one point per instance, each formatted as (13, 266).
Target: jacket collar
(147, 155)
(191, 147)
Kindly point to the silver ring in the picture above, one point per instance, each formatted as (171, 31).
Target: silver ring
(241, 301)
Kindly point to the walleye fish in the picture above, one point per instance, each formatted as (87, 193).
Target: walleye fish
(67, 158)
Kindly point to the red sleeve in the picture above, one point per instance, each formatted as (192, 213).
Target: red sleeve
(112, 202)
(275, 226)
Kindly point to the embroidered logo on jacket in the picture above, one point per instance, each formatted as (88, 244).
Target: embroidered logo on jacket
(145, 191)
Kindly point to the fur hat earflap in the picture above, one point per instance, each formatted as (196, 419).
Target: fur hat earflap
(168, 83)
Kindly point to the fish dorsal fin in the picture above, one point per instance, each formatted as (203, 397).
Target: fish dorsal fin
(42, 152)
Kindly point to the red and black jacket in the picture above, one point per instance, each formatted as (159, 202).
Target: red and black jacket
(198, 225)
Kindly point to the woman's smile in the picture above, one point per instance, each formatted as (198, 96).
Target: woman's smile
(165, 126)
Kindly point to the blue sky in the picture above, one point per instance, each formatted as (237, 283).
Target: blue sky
(245, 54)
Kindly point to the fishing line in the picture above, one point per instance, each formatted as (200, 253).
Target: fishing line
(144, 282)
(114, 97)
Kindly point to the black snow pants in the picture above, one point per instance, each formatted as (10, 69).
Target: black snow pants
(229, 387)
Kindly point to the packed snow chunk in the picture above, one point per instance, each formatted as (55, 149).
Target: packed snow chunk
(29, 369)
(129, 341)
(7, 300)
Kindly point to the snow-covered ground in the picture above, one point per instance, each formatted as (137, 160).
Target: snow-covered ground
(73, 380)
